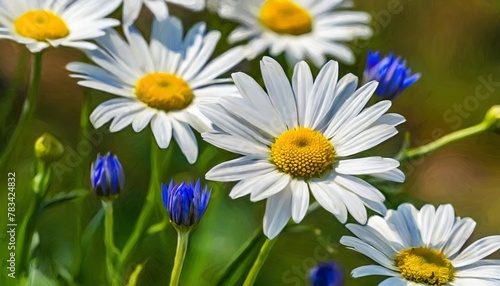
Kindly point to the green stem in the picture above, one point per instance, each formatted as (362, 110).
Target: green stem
(180, 255)
(261, 259)
(10, 95)
(111, 251)
(28, 109)
(84, 130)
(40, 185)
(151, 200)
(239, 262)
(445, 140)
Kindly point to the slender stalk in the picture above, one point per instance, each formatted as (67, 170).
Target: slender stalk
(445, 140)
(239, 261)
(180, 255)
(40, 186)
(84, 130)
(28, 109)
(151, 200)
(10, 95)
(261, 259)
(111, 251)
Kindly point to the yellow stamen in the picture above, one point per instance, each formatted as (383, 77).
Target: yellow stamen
(285, 17)
(302, 152)
(164, 91)
(41, 25)
(426, 266)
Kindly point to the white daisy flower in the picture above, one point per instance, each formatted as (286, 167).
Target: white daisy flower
(132, 8)
(299, 28)
(40, 24)
(298, 138)
(424, 248)
(162, 82)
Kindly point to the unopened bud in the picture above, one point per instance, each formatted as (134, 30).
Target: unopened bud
(48, 149)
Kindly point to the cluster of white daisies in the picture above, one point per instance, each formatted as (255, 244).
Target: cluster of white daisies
(297, 137)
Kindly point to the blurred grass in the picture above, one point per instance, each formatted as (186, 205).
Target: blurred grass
(452, 43)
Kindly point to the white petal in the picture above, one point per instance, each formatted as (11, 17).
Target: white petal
(443, 225)
(278, 212)
(482, 271)
(477, 251)
(302, 85)
(394, 175)
(131, 10)
(158, 8)
(201, 58)
(280, 91)
(186, 139)
(359, 187)
(396, 281)
(233, 124)
(359, 123)
(364, 166)
(369, 270)
(322, 95)
(251, 91)
(405, 224)
(351, 107)
(239, 169)
(236, 145)
(300, 199)
(393, 119)
(368, 250)
(142, 119)
(364, 140)
(125, 119)
(257, 183)
(475, 282)
(461, 232)
(218, 66)
(327, 195)
(260, 192)
(375, 238)
(162, 129)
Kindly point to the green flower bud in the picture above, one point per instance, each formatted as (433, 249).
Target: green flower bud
(492, 118)
(48, 149)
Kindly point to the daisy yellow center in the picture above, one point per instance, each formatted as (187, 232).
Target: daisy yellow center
(302, 152)
(164, 91)
(425, 266)
(285, 17)
(41, 25)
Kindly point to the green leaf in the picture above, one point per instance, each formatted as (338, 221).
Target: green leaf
(91, 229)
(63, 197)
(135, 275)
(157, 227)
(242, 261)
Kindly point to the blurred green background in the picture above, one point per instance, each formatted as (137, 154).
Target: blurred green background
(454, 44)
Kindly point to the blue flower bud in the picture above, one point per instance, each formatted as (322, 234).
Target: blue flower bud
(106, 176)
(391, 73)
(326, 274)
(185, 203)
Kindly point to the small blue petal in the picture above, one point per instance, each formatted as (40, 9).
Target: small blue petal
(391, 73)
(107, 175)
(326, 274)
(411, 80)
(185, 203)
(396, 82)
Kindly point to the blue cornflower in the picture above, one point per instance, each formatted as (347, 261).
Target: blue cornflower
(185, 203)
(326, 274)
(106, 176)
(391, 73)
